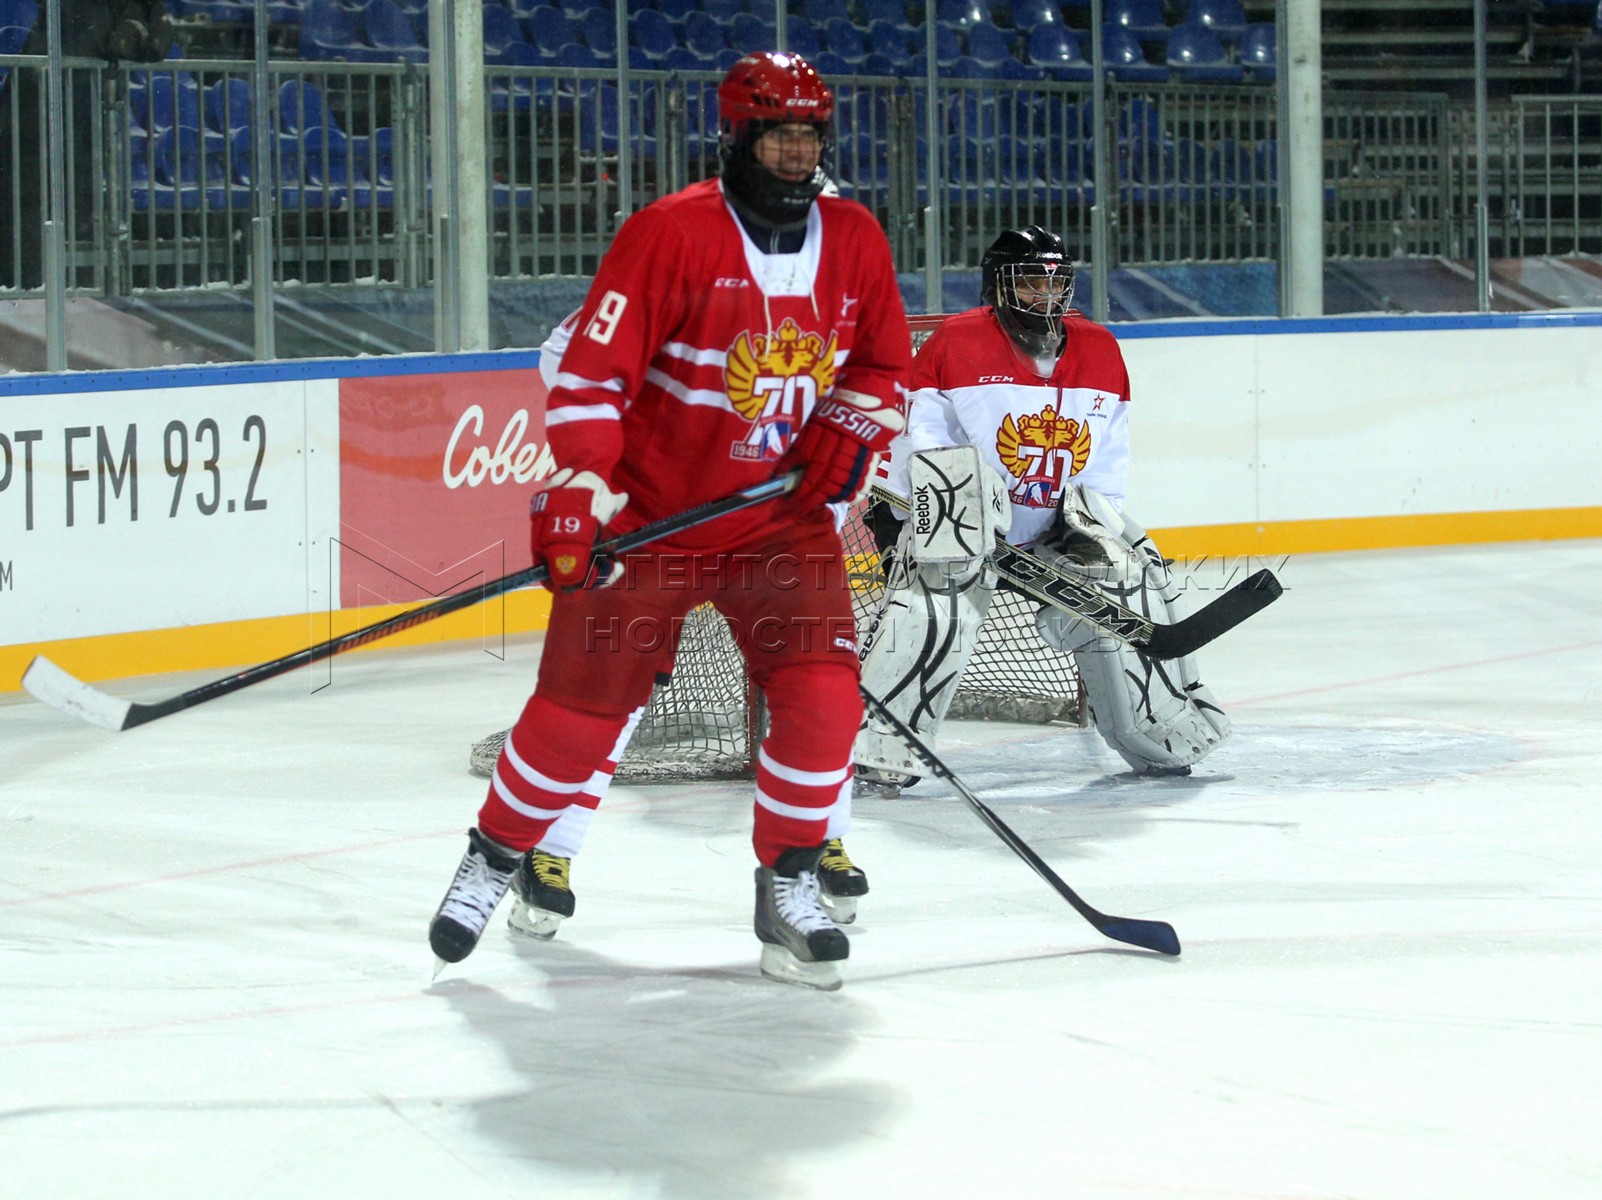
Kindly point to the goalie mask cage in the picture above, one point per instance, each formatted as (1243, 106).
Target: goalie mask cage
(707, 720)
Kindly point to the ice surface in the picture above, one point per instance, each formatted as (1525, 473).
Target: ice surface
(214, 979)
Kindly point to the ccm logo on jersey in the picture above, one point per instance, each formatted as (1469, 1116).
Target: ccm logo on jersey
(995, 379)
(730, 281)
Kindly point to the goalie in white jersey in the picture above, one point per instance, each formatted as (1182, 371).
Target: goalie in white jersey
(1018, 425)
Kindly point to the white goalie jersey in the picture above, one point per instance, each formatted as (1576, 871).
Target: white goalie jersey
(1048, 450)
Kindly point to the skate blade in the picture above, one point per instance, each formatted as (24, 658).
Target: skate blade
(842, 910)
(778, 963)
(533, 922)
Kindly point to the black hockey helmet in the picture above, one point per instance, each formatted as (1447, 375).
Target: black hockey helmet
(1027, 277)
(760, 93)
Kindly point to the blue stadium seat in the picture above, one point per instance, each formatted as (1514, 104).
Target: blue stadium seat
(1057, 49)
(1225, 18)
(1143, 18)
(501, 29)
(676, 10)
(653, 33)
(830, 65)
(821, 12)
(167, 100)
(723, 11)
(577, 54)
(803, 39)
(964, 14)
(1258, 50)
(682, 58)
(17, 18)
(888, 38)
(390, 31)
(703, 35)
(1011, 68)
(748, 33)
(1195, 55)
(894, 11)
(988, 45)
(548, 29)
(227, 105)
(1026, 14)
(510, 92)
(846, 40)
(328, 31)
(948, 49)
(600, 32)
(301, 107)
(878, 64)
(1126, 59)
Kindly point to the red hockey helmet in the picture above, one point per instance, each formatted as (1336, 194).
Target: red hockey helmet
(774, 89)
(760, 93)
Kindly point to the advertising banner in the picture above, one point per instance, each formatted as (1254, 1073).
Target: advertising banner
(436, 472)
(140, 510)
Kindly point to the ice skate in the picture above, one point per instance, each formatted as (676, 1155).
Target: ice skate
(800, 944)
(840, 882)
(481, 880)
(544, 897)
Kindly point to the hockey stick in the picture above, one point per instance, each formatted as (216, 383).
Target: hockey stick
(1035, 577)
(1148, 935)
(59, 689)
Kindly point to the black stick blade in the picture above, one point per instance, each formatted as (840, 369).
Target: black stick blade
(1188, 635)
(1148, 935)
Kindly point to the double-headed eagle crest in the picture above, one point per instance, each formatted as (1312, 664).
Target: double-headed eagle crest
(773, 380)
(1042, 452)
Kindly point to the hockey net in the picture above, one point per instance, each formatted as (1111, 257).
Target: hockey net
(706, 721)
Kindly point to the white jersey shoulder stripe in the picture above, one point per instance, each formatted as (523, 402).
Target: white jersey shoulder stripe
(569, 413)
(577, 383)
(705, 397)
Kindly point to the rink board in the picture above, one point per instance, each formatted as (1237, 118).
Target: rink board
(207, 516)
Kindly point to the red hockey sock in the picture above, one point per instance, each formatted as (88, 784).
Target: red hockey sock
(550, 756)
(803, 785)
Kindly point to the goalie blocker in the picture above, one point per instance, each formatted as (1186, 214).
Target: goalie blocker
(1156, 715)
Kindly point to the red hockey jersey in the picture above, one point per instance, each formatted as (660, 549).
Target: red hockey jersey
(696, 358)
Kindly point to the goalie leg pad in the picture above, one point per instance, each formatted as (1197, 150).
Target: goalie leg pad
(1158, 716)
(927, 630)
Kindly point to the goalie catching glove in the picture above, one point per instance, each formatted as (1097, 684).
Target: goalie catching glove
(839, 445)
(565, 519)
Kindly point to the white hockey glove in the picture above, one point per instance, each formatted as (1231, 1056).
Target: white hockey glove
(1158, 716)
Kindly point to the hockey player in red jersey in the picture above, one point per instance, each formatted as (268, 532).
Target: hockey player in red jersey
(741, 328)
(1018, 423)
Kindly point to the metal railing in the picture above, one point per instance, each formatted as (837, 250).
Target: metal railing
(162, 186)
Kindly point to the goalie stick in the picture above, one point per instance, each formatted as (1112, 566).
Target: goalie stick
(1035, 577)
(1148, 935)
(58, 688)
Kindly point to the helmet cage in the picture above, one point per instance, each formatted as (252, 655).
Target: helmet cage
(1048, 292)
(1031, 299)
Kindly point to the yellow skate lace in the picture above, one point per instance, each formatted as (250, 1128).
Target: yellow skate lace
(835, 857)
(550, 870)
